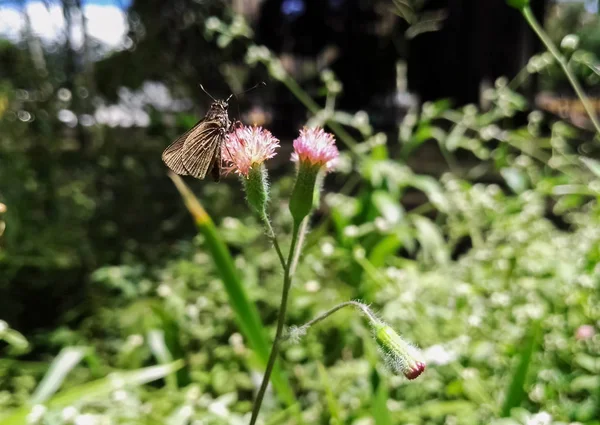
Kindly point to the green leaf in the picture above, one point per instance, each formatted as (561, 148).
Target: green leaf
(516, 394)
(515, 179)
(592, 164)
(60, 367)
(584, 383)
(156, 342)
(432, 243)
(96, 389)
(388, 207)
(246, 313)
(380, 411)
(330, 397)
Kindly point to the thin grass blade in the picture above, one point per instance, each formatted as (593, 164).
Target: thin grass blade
(60, 367)
(516, 393)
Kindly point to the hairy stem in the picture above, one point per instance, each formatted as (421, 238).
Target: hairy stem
(287, 283)
(271, 235)
(298, 249)
(360, 306)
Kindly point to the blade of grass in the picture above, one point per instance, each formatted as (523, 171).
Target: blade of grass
(156, 342)
(332, 404)
(380, 412)
(246, 314)
(95, 389)
(60, 367)
(515, 393)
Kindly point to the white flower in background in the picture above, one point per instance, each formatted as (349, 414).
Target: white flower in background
(69, 413)
(36, 414)
(135, 340)
(164, 290)
(541, 418)
(570, 42)
(87, 419)
(439, 355)
(327, 249)
(312, 286)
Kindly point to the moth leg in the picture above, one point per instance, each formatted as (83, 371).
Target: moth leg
(235, 125)
(215, 170)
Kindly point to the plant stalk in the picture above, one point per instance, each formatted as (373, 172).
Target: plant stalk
(534, 24)
(271, 235)
(287, 283)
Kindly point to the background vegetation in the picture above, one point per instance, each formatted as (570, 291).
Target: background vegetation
(464, 210)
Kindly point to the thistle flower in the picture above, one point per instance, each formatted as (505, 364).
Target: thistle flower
(247, 148)
(314, 151)
(245, 151)
(315, 147)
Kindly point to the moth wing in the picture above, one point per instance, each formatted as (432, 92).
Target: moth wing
(173, 154)
(200, 148)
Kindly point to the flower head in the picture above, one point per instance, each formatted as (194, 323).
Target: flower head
(315, 147)
(247, 147)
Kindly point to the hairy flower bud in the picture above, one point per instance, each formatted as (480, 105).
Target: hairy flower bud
(401, 356)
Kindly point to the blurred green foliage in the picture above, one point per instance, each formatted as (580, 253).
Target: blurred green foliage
(493, 271)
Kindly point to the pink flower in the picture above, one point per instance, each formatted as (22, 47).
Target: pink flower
(248, 147)
(315, 147)
(585, 332)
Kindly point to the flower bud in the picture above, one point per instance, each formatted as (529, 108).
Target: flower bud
(302, 199)
(401, 356)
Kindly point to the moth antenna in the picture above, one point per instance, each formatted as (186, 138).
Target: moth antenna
(209, 95)
(262, 83)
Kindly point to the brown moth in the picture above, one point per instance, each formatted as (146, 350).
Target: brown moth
(198, 151)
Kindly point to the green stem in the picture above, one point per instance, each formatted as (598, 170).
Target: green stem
(271, 235)
(360, 306)
(287, 283)
(534, 24)
(296, 257)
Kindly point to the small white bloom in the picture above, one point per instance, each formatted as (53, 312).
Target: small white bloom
(192, 311)
(36, 414)
(164, 290)
(87, 419)
(312, 286)
(474, 320)
(382, 224)
(119, 395)
(69, 413)
(186, 411)
(570, 42)
(351, 231)
(327, 249)
(541, 418)
(135, 340)
(437, 354)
